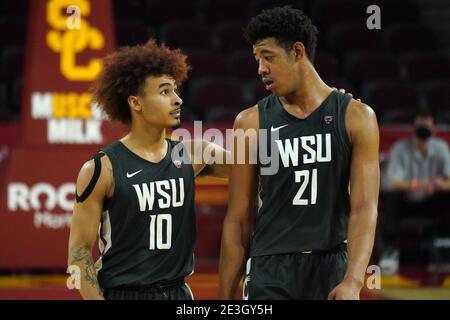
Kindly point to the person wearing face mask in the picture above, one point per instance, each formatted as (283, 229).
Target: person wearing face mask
(418, 175)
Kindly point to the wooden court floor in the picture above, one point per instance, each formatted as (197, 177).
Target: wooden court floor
(204, 287)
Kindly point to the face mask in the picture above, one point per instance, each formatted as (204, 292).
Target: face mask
(423, 133)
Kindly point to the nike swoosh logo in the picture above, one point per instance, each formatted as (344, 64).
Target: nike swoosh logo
(277, 128)
(129, 175)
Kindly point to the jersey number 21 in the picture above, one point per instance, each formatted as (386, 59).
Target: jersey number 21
(302, 176)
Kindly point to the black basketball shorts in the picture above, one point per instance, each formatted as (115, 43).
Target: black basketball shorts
(299, 276)
(176, 291)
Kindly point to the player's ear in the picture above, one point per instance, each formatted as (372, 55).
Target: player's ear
(134, 103)
(299, 50)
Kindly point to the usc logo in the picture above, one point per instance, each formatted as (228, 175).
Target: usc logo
(71, 41)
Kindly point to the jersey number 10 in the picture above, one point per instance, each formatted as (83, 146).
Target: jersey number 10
(302, 177)
(159, 223)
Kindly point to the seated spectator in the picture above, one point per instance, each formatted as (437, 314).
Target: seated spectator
(418, 175)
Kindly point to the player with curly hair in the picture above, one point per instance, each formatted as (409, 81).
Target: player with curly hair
(138, 192)
(322, 201)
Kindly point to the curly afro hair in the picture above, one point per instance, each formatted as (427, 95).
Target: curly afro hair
(287, 25)
(124, 73)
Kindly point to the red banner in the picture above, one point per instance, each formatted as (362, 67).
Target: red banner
(36, 207)
(60, 129)
(67, 40)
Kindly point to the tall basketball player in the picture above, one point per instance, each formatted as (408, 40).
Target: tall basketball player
(138, 192)
(321, 203)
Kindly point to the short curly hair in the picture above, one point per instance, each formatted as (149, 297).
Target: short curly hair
(287, 25)
(124, 73)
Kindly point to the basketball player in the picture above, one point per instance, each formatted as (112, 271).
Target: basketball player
(322, 201)
(135, 192)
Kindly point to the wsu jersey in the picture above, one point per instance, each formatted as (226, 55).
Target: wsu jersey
(305, 205)
(148, 228)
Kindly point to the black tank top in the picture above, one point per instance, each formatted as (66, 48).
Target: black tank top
(305, 205)
(148, 229)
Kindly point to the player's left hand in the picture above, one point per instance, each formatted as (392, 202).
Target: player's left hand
(346, 290)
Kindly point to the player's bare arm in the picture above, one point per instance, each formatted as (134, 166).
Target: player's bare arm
(362, 129)
(208, 159)
(85, 222)
(238, 221)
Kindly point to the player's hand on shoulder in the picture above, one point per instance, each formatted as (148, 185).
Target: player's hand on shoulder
(343, 91)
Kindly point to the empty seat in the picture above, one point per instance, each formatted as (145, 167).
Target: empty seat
(329, 12)
(12, 61)
(186, 35)
(15, 9)
(159, 12)
(393, 101)
(127, 9)
(326, 64)
(3, 97)
(437, 97)
(208, 93)
(221, 114)
(132, 32)
(350, 38)
(221, 10)
(12, 32)
(10, 99)
(427, 66)
(409, 37)
(361, 67)
(243, 65)
(228, 37)
(16, 95)
(206, 63)
(255, 91)
(396, 11)
(188, 115)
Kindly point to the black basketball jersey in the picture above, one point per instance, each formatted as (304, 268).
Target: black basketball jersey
(148, 229)
(305, 204)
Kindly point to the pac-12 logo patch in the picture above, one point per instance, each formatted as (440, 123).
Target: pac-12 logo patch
(328, 119)
(178, 163)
